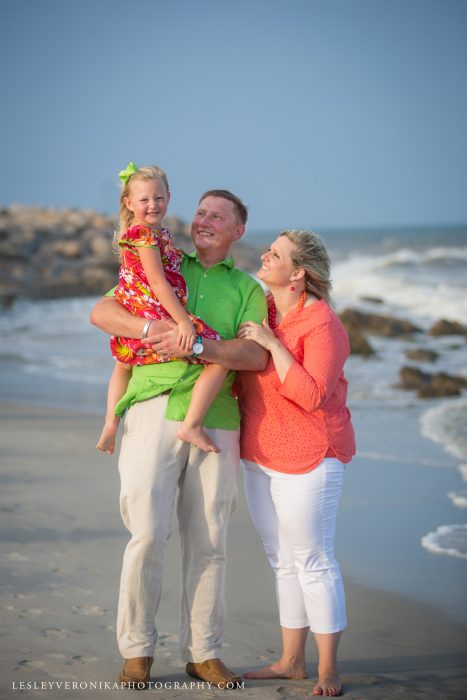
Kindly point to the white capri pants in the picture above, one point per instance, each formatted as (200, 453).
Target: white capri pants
(295, 516)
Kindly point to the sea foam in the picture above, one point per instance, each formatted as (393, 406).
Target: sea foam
(408, 281)
(448, 539)
(446, 424)
(459, 498)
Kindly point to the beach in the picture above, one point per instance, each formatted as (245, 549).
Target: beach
(61, 552)
(401, 531)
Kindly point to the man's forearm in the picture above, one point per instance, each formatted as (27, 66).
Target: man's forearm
(111, 317)
(235, 354)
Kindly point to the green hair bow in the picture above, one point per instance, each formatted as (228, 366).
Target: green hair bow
(130, 170)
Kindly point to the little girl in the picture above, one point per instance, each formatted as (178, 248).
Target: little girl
(151, 286)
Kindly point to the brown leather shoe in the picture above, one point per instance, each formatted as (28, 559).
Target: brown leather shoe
(136, 672)
(215, 672)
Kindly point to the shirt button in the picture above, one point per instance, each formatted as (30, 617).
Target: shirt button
(201, 296)
(205, 275)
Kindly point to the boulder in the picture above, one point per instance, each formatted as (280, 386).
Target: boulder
(359, 345)
(373, 300)
(445, 327)
(413, 378)
(429, 385)
(47, 253)
(442, 380)
(421, 355)
(376, 324)
(432, 392)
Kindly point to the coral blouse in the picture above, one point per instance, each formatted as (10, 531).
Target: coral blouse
(291, 426)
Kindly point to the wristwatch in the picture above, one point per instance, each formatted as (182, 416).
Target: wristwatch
(198, 346)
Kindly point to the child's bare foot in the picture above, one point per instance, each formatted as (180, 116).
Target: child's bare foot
(280, 669)
(198, 437)
(106, 442)
(329, 685)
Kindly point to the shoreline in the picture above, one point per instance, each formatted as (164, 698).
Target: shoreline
(62, 543)
(395, 490)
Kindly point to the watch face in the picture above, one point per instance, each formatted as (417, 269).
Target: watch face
(198, 348)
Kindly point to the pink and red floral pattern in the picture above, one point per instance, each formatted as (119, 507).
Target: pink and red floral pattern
(135, 294)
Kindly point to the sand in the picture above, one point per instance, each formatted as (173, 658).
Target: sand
(61, 547)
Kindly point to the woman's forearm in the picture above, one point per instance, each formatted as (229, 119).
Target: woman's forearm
(281, 357)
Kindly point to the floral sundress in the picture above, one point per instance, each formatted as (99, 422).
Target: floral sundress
(135, 294)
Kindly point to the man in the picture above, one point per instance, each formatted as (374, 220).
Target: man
(154, 463)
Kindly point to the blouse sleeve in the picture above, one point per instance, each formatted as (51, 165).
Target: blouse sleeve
(141, 237)
(325, 350)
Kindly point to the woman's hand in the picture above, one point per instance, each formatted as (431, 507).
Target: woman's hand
(261, 334)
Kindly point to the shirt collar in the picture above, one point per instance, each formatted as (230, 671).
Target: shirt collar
(227, 262)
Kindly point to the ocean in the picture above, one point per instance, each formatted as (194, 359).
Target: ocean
(51, 353)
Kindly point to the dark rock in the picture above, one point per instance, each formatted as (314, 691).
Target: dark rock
(413, 378)
(375, 324)
(373, 300)
(444, 327)
(431, 385)
(432, 392)
(421, 355)
(359, 345)
(442, 380)
(7, 297)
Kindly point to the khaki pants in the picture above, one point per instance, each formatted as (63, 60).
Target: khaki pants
(152, 464)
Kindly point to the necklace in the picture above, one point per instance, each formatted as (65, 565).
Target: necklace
(272, 309)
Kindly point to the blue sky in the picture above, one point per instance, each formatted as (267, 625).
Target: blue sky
(318, 113)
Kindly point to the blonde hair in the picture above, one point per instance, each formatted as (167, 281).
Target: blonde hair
(311, 255)
(125, 216)
(241, 209)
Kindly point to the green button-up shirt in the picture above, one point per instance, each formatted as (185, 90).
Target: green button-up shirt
(223, 297)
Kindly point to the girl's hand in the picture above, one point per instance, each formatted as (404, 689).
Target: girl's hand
(261, 334)
(186, 334)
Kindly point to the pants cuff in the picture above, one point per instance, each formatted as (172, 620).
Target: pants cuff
(198, 657)
(294, 624)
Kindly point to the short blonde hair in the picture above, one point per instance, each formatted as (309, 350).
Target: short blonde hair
(311, 255)
(125, 216)
(241, 209)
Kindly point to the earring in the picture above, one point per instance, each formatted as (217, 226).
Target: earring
(292, 288)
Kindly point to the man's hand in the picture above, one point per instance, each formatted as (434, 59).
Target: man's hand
(231, 354)
(166, 343)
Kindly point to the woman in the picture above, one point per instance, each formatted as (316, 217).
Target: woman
(296, 437)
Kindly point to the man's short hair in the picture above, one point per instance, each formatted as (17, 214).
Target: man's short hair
(240, 208)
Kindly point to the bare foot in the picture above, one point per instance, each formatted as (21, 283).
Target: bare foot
(329, 685)
(279, 669)
(106, 442)
(198, 437)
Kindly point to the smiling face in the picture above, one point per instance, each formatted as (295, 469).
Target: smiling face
(148, 200)
(277, 269)
(214, 228)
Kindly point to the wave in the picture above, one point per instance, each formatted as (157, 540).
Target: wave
(439, 255)
(447, 539)
(422, 285)
(459, 498)
(446, 424)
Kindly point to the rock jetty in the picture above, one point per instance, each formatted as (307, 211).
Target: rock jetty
(52, 253)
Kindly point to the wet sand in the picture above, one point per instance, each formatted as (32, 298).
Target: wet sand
(61, 548)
